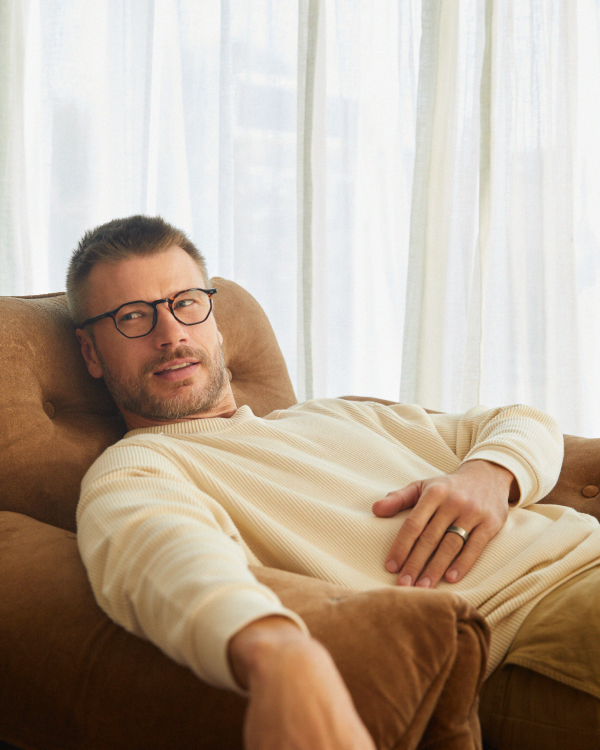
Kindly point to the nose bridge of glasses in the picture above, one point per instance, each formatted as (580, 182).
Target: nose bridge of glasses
(169, 306)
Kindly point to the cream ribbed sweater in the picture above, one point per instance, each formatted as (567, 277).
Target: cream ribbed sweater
(170, 516)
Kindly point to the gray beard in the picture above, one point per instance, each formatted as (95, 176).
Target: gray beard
(132, 396)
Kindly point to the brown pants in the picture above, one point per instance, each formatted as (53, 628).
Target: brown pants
(533, 702)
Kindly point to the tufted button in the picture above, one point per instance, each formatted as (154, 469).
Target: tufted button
(229, 375)
(590, 491)
(49, 409)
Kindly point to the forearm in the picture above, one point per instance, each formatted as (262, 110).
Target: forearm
(297, 696)
(262, 646)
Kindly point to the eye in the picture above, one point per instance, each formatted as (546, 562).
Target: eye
(128, 315)
(184, 303)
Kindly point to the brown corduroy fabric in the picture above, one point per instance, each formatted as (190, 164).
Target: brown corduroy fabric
(72, 679)
(579, 482)
(55, 418)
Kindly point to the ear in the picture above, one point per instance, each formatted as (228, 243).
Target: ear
(88, 350)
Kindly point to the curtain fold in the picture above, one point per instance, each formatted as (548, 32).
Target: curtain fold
(531, 334)
(440, 366)
(310, 22)
(11, 107)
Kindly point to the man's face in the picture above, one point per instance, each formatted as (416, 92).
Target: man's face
(176, 371)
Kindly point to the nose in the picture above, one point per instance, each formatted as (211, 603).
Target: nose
(168, 332)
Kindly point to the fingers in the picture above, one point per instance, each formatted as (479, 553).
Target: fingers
(422, 531)
(426, 572)
(398, 500)
(451, 559)
(419, 572)
(478, 538)
(423, 551)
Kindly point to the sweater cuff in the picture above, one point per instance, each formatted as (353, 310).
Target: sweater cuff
(219, 620)
(523, 472)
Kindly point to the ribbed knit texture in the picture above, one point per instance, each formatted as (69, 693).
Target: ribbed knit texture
(170, 517)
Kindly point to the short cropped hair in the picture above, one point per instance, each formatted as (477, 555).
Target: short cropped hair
(116, 241)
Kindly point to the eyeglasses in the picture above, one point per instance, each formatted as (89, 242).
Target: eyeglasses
(135, 319)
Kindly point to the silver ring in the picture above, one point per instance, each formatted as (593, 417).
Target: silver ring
(461, 533)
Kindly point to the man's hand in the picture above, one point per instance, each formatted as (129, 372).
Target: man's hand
(475, 498)
(298, 700)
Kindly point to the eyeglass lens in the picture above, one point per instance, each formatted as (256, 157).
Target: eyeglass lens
(189, 307)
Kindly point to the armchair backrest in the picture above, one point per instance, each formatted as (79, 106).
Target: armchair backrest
(56, 419)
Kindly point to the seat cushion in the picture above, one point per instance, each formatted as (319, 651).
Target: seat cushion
(524, 710)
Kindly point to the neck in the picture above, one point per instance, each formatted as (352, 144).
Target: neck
(224, 410)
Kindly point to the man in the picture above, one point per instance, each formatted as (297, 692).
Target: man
(358, 494)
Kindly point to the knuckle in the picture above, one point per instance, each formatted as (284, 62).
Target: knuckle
(455, 506)
(435, 570)
(452, 545)
(411, 527)
(462, 498)
(397, 551)
(461, 501)
(429, 537)
(488, 528)
(437, 489)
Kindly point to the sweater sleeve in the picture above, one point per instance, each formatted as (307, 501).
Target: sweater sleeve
(166, 562)
(524, 440)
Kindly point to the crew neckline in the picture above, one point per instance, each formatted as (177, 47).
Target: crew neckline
(208, 424)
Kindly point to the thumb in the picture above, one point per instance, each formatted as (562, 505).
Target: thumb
(398, 500)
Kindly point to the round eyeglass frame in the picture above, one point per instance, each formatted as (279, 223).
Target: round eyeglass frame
(169, 300)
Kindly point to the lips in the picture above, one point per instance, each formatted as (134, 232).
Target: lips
(176, 364)
(178, 373)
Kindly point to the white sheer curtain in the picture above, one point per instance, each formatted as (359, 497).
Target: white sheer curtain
(504, 265)
(409, 188)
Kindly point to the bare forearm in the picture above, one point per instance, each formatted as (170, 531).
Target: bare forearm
(297, 696)
(255, 646)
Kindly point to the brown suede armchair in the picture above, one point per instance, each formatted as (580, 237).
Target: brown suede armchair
(70, 678)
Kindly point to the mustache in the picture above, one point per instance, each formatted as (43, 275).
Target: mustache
(183, 352)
